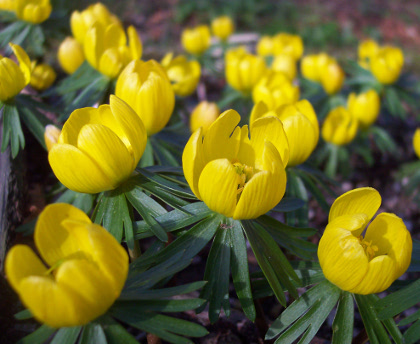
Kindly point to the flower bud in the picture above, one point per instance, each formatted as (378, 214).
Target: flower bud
(147, 89)
(265, 46)
(416, 142)
(367, 49)
(70, 55)
(196, 40)
(183, 74)
(51, 135)
(42, 76)
(285, 43)
(365, 107)
(339, 127)
(203, 115)
(33, 11)
(386, 65)
(286, 64)
(222, 27)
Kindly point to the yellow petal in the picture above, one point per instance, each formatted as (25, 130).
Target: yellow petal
(193, 161)
(134, 43)
(379, 276)
(94, 44)
(246, 153)
(258, 111)
(358, 201)
(416, 142)
(11, 79)
(223, 137)
(218, 185)
(389, 233)
(110, 62)
(22, 262)
(52, 239)
(24, 61)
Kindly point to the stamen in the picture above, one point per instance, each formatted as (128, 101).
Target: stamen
(370, 249)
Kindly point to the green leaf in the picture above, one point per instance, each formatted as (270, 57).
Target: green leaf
(412, 335)
(271, 260)
(216, 291)
(12, 130)
(39, 336)
(289, 204)
(80, 200)
(92, 333)
(170, 306)
(67, 335)
(240, 271)
(343, 322)
(23, 315)
(147, 157)
(293, 232)
(10, 31)
(393, 103)
(411, 318)
(115, 333)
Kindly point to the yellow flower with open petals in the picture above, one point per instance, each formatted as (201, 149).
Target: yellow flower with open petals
(196, 40)
(183, 74)
(234, 175)
(98, 148)
(147, 89)
(85, 273)
(106, 48)
(369, 264)
(300, 125)
(416, 142)
(32, 11)
(13, 77)
(340, 127)
(365, 107)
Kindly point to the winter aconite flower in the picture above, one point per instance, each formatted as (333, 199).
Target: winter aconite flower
(82, 271)
(31, 11)
(183, 74)
(365, 107)
(196, 40)
(13, 77)
(222, 27)
(98, 148)
(203, 115)
(42, 76)
(51, 135)
(70, 55)
(387, 64)
(340, 127)
(363, 264)
(238, 176)
(300, 125)
(366, 50)
(416, 142)
(147, 89)
(286, 64)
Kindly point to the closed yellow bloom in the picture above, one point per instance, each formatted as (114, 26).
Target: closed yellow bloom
(386, 65)
(13, 77)
(234, 175)
(222, 27)
(98, 148)
(32, 11)
(300, 125)
(203, 115)
(416, 142)
(340, 127)
(265, 46)
(147, 89)
(70, 55)
(106, 48)
(285, 43)
(196, 40)
(51, 135)
(243, 70)
(286, 64)
(183, 74)
(369, 264)
(367, 49)
(365, 107)
(311, 66)
(7, 5)
(42, 76)
(275, 89)
(85, 273)
(81, 22)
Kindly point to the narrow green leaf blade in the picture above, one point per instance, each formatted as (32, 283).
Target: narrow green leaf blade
(343, 322)
(67, 335)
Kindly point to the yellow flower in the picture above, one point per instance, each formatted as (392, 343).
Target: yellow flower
(386, 65)
(42, 76)
(81, 22)
(300, 125)
(243, 70)
(146, 88)
(265, 46)
(106, 49)
(285, 43)
(51, 135)
(369, 264)
(236, 176)
(275, 89)
(7, 5)
(183, 74)
(14, 78)
(367, 49)
(85, 273)
(222, 27)
(70, 55)
(324, 69)
(365, 107)
(203, 115)
(196, 40)
(416, 142)
(32, 11)
(286, 64)
(339, 127)
(98, 148)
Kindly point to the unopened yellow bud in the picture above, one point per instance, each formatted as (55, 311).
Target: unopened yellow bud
(196, 40)
(203, 115)
(51, 135)
(42, 77)
(222, 27)
(70, 55)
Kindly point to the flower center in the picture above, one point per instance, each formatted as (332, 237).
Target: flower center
(370, 249)
(245, 173)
